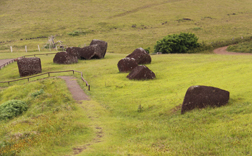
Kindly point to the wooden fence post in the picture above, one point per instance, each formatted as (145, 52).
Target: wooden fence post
(11, 48)
(38, 48)
(25, 48)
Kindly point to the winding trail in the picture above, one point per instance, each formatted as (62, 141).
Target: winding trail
(223, 51)
(80, 96)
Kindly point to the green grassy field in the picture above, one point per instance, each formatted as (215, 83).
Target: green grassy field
(159, 129)
(111, 123)
(112, 21)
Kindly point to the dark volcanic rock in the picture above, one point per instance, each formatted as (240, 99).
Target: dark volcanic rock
(203, 96)
(74, 51)
(65, 58)
(141, 72)
(141, 56)
(29, 66)
(90, 52)
(127, 64)
(103, 45)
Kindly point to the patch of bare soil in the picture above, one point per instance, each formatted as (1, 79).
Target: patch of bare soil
(223, 51)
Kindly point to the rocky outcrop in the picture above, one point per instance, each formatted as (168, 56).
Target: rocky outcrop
(204, 96)
(127, 64)
(103, 45)
(141, 72)
(65, 58)
(29, 66)
(141, 56)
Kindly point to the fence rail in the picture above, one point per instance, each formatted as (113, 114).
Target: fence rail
(37, 54)
(28, 78)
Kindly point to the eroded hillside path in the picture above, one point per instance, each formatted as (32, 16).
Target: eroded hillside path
(75, 89)
(223, 51)
(80, 96)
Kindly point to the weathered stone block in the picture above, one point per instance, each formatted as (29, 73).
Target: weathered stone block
(91, 52)
(74, 51)
(29, 66)
(103, 45)
(203, 96)
(127, 64)
(65, 58)
(141, 56)
(141, 72)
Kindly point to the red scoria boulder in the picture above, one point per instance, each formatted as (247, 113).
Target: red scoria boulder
(29, 66)
(74, 51)
(65, 58)
(91, 52)
(204, 96)
(103, 45)
(141, 56)
(141, 72)
(127, 64)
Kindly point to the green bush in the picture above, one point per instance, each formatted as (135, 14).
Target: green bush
(12, 109)
(147, 50)
(175, 43)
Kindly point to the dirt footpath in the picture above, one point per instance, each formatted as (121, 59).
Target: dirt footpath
(223, 51)
(4, 61)
(76, 91)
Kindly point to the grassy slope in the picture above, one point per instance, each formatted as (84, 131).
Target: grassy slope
(52, 124)
(245, 47)
(160, 129)
(112, 21)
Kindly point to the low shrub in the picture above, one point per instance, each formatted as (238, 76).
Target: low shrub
(175, 43)
(37, 93)
(12, 109)
(147, 50)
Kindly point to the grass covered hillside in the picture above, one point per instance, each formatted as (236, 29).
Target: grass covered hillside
(125, 117)
(157, 128)
(125, 25)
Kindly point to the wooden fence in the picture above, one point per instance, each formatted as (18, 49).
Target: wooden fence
(28, 78)
(48, 73)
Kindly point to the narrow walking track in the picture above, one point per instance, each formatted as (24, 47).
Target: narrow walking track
(3, 61)
(79, 95)
(76, 91)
